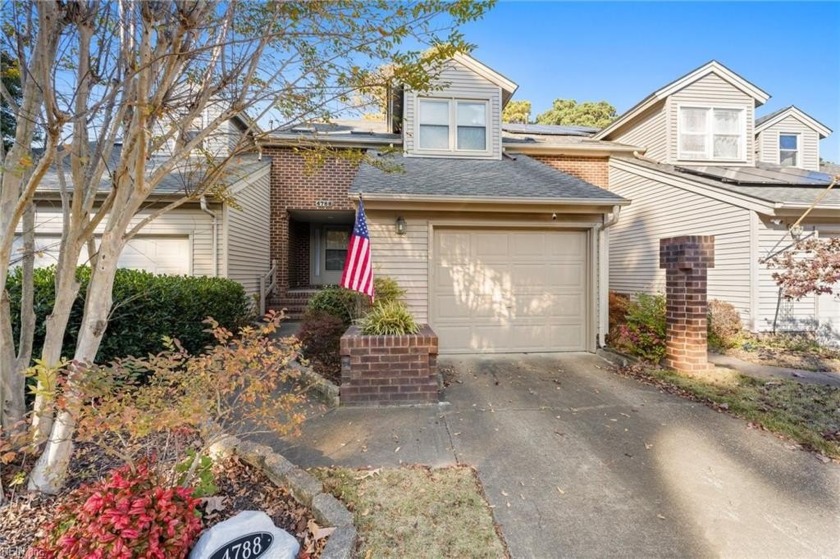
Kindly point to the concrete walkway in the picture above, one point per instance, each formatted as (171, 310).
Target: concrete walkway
(579, 462)
(770, 372)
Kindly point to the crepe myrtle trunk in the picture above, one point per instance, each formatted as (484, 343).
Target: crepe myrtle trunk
(50, 470)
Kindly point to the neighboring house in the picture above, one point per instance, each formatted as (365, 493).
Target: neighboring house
(497, 236)
(204, 236)
(710, 167)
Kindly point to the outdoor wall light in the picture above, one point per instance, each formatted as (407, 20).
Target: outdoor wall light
(399, 226)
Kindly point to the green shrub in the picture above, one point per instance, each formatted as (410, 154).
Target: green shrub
(643, 332)
(146, 308)
(386, 289)
(391, 318)
(337, 301)
(127, 514)
(724, 325)
(320, 336)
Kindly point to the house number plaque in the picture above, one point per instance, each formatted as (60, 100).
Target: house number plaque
(323, 203)
(251, 546)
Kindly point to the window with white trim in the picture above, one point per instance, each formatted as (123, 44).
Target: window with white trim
(452, 125)
(788, 150)
(710, 133)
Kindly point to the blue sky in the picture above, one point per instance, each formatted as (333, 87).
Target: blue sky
(622, 51)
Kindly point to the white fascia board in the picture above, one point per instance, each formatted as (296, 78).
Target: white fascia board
(808, 121)
(486, 72)
(702, 188)
(244, 182)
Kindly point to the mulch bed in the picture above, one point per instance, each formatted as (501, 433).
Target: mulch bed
(241, 487)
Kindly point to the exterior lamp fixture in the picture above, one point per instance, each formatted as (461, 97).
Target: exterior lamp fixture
(796, 232)
(399, 226)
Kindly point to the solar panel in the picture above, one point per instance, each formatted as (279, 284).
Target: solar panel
(760, 175)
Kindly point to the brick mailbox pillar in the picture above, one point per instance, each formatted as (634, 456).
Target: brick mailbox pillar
(389, 370)
(686, 261)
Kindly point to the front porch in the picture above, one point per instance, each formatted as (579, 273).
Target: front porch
(315, 253)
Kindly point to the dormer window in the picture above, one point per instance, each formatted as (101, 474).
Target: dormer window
(712, 134)
(452, 125)
(789, 150)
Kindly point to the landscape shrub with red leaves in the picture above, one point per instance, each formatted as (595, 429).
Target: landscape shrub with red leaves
(125, 515)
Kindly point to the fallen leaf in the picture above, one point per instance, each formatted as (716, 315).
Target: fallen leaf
(213, 504)
(660, 517)
(561, 491)
(397, 449)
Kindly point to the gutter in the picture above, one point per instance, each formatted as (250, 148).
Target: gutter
(475, 200)
(211, 213)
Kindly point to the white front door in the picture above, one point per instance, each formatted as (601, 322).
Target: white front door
(328, 251)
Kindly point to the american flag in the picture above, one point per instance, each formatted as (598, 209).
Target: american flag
(358, 273)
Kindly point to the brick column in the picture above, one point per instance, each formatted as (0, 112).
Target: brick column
(686, 261)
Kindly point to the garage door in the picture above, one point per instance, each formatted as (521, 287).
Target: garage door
(509, 291)
(159, 255)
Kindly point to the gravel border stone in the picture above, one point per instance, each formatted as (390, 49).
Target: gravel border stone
(303, 486)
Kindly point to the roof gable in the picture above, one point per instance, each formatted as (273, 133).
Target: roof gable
(713, 67)
(767, 121)
(508, 87)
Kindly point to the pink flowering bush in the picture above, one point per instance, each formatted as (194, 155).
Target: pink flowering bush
(641, 333)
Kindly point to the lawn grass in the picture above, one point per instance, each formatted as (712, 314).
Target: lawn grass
(416, 512)
(806, 413)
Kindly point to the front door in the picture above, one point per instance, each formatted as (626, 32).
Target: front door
(329, 249)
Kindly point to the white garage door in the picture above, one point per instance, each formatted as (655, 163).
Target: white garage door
(159, 255)
(510, 291)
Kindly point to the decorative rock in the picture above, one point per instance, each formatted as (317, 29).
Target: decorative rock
(249, 535)
(329, 511)
(341, 544)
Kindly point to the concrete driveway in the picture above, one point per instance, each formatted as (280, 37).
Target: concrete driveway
(578, 462)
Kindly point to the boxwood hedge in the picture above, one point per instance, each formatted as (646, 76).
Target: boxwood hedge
(146, 308)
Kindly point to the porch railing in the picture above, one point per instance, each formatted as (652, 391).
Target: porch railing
(268, 283)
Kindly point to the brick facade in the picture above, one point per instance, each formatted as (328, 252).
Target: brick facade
(299, 257)
(686, 261)
(389, 370)
(594, 170)
(295, 186)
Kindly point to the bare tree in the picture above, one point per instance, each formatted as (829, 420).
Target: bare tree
(165, 78)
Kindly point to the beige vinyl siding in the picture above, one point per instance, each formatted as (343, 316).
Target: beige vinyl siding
(647, 131)
(247, 243)
(710, 91)
(460, 83)
(793, 315)
(660, 210)
(404, 258)
(190, 222)
(767, 143)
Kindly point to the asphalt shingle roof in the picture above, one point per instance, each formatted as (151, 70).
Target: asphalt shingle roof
(519, 178)
(179, 181)
(790, 194)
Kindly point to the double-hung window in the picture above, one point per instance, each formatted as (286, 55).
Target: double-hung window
(789, 150)
(707, 133)
(452, 125)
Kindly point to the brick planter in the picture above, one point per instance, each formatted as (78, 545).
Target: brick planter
(388, 370)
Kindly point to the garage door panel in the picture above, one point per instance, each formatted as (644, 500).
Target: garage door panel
(510, 291)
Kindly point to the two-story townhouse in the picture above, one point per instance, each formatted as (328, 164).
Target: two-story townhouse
(206, 235)
(710, 167)
(499, 238)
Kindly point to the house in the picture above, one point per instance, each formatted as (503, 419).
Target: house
(707, 165)
(206, 236)
(498, 236)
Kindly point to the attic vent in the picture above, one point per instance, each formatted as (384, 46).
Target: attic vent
(362, 132)
(303, 128)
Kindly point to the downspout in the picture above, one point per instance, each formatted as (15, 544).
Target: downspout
(604, 275)
(211, 213)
